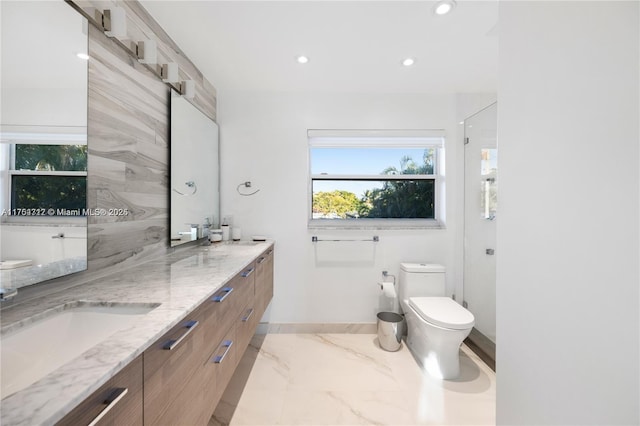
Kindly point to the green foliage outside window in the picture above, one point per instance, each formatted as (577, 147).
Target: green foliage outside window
(340, 203)
(51, 157)
(49, 191)
(400, 199)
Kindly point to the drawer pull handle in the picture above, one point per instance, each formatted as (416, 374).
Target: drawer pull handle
(111, 402)
(269, 252)
(219, 358)
(171, 344)
(249, 313)
(261, 260)
(248, 272)
(226, 290)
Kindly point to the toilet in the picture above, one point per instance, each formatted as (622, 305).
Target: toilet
(436, 325)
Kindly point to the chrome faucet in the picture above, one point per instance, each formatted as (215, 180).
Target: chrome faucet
(7, 294)
(193, 232)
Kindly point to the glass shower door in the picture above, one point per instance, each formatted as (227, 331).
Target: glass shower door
(480, 215)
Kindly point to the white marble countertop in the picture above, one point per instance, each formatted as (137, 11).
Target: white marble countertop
(179, 282)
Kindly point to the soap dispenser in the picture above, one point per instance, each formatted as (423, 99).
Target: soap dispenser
(225, 229)
(205, 227)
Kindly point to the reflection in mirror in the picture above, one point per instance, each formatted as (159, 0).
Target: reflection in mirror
(488, 171)
(43, 149)
(195, 196)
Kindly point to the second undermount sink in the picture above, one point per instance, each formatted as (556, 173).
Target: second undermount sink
(30, 352)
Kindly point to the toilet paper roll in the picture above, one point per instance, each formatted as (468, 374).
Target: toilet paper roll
(388, 290)
(390, 297)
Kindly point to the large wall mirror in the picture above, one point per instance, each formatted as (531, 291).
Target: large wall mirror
(195, 181)
(43, 149)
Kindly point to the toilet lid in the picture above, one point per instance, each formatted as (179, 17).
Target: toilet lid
(443, 312)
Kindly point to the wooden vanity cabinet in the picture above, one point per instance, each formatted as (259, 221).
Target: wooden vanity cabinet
(172, 384)
(264, 281)
(242, 288)
(117, 402)
(181, 383)
(180, 379)
(234, 322)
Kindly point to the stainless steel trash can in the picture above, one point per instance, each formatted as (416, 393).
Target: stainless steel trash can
(389, 330)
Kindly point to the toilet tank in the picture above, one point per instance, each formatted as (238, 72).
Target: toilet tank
(421, 279)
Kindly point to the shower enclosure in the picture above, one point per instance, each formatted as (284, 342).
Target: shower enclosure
(480, 215)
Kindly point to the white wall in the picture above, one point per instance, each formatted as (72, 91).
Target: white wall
(34, 242)
(567, 284)
(263, 140)
(44, 107)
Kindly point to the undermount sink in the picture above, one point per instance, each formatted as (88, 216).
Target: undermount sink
(30, 352)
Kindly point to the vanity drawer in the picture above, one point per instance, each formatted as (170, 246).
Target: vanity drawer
(246, 324)
(264, 281)
(232, 298)
(264, 271)
(171, 371)
(117, 402)
(219, 368)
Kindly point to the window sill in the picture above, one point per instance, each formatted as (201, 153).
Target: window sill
(374, 224)
(71, 221)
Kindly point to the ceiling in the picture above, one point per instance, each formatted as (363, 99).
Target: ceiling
(353, 46)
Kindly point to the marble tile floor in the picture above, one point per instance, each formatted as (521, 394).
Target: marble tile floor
(347, 379)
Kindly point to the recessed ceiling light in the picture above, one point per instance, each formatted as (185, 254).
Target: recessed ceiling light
(444, 6)
(83, 56)
(408, 62)
(302, 59)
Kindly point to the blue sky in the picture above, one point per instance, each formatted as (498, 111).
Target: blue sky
(369, 161)
(352, 160)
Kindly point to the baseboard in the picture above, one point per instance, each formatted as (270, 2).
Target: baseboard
(316, 328)
(482, 346)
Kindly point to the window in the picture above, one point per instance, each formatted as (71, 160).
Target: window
(47, 174)
(374, 177)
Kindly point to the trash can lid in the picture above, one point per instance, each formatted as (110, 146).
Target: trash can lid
(389, 317)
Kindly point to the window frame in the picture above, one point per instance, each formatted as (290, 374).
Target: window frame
(422, 139)
(37, 135)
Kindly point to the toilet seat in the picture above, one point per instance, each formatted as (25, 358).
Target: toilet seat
(443, 312)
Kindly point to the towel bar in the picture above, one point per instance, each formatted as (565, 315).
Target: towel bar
(315, 239)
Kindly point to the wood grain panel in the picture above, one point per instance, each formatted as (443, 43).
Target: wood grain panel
(131, 206)
(128, 122)
(145, 179)
(126, 243)
(173, 380)
(127, 411)
(216, 376)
